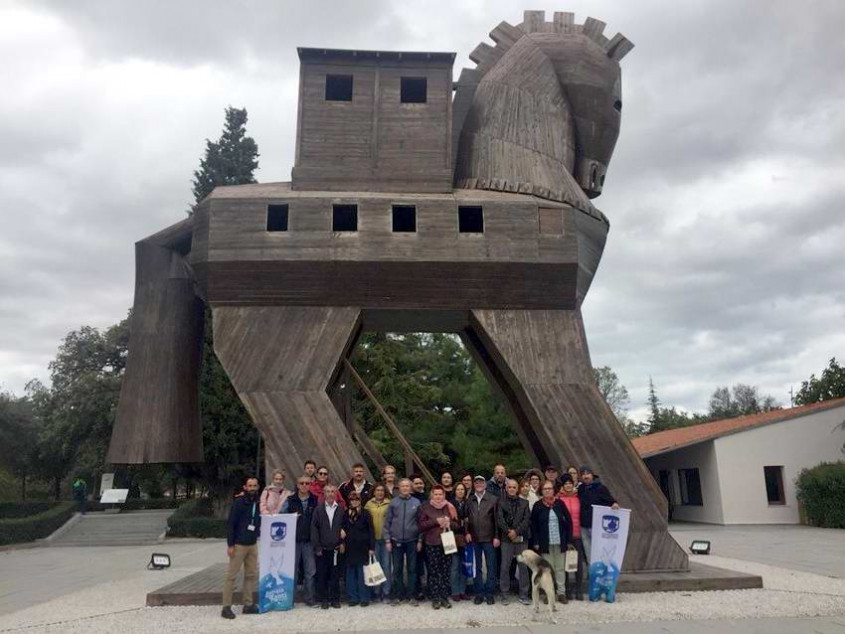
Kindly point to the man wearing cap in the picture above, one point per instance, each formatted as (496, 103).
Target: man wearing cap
(551, 474)
(482, 534)
(591, 491)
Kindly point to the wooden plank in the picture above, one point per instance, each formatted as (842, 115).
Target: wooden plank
(391, 425)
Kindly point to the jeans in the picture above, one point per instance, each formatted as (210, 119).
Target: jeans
(587, 540)
(356, 589)
(481, 587)
(305, 554)
(404, 552)
(386, 561)
(556, 559)
(457, 577)
(509, 553)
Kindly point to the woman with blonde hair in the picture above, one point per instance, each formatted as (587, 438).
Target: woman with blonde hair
(274, 497)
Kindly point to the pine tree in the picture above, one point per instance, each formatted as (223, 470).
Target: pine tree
(231, 160)
(229, 436)
(654, 418)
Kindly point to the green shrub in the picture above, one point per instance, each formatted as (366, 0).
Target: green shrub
(195, 518)
(27, 529)
(12, 510)
(821, 490)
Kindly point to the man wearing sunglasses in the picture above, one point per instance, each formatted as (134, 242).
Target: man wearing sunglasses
(303, 503)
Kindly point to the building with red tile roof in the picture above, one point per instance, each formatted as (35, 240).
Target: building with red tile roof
(742, 470)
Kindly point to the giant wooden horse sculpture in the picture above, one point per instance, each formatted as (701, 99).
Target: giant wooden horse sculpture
(410, 209)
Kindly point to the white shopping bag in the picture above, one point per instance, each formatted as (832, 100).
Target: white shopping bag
(570, 563)
(373, 573)
(449, 545)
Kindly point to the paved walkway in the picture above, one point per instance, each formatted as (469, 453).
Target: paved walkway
(26, 575)
(758, 626)
(132, 528)
(805, 548)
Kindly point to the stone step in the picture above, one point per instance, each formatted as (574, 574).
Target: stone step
(115, 529)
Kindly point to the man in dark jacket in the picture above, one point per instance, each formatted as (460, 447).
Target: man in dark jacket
(358, 484)
(303, 503)
(482, 533)
(514, 520)
(244, 527)
(325, 539)
(591, 491)
(496, 484)
(401, 532)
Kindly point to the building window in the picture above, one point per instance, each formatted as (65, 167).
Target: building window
(338, 87)
(470, 220)
(774, 485)
(404, 219)
(690, 487)
(665, 480)
(277, 217)
(344, 217)
(414, 90)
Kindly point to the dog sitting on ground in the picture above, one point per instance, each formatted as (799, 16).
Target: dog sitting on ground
(542, 578)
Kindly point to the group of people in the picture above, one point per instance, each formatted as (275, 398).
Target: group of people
(401, 524)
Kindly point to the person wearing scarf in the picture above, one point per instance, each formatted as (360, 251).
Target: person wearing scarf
(436, 517)
(551, 531)
(274, 497)
(359, 538)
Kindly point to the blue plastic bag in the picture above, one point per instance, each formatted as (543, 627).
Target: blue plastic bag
(469, 561)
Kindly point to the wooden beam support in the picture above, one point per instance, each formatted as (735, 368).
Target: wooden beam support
(391, 425)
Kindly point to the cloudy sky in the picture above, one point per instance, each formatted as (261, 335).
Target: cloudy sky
(726, 194)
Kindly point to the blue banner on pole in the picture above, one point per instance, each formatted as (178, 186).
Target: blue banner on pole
(607, 551)
(276, 562)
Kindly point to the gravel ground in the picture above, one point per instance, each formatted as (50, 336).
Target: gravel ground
(113, 607)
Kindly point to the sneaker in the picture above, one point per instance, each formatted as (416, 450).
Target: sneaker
(562, 598)
(456, 598)
(226, 612)
(250, 609)
(491, 600)
(352, 604)
(415, 602)
(445, 603)
(335, 604)
(525, 600)
(324, 605)
(504, 600)
(478, 600)
(364, 604)
(310, 603)
(435, 604)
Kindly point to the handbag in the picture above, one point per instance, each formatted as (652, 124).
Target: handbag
(449, 545)
(570, 562)
(373, 573)
(469, 561)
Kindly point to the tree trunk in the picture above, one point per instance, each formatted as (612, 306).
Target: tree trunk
(23, 487)
(57, 488)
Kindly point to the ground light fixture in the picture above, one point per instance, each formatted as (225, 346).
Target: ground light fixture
(159, 561)
(700, 547)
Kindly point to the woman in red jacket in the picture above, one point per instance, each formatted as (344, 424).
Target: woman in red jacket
(436, 517)
(569, 496)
